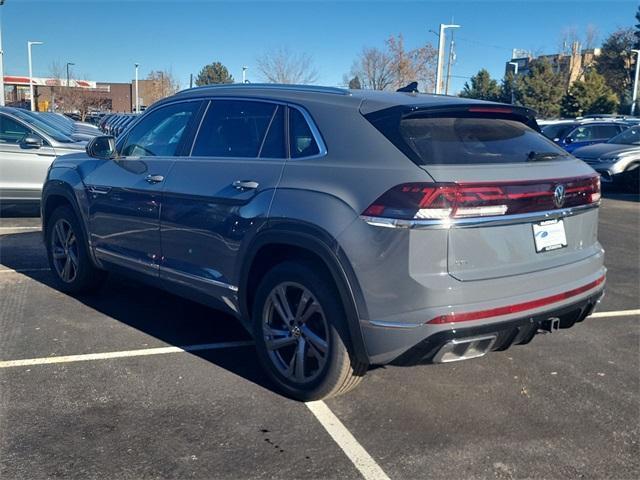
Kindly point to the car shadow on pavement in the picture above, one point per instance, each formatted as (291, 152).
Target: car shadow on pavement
(173, 320)
(614, 192)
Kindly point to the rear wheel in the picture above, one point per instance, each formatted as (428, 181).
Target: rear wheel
(68, 253)
(301, 336)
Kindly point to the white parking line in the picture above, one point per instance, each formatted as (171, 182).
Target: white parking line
(20, 228)
(23, 270)
(619, 313)
(122, 354)
(365, 464)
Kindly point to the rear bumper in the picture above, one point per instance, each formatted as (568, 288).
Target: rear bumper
(504, 334)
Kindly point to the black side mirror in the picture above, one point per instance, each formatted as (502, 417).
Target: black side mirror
(103, 147)
(31, 141)
(568, 140)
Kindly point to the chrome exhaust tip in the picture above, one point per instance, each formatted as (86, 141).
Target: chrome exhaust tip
(464, 349)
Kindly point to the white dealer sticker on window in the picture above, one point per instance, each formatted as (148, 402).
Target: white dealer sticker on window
(549, 235)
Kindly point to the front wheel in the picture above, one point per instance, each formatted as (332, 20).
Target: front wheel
(301, 335)
(68, 253)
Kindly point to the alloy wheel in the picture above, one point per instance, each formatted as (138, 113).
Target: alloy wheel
(295, 331)
(64, 250)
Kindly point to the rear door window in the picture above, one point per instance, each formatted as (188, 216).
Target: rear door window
(239, 128)
(472, 140)
(605, 131)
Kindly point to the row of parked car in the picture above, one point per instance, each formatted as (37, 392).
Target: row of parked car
(115, 123)
(609, 143)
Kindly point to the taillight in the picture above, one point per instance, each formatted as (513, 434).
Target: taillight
(415, 201)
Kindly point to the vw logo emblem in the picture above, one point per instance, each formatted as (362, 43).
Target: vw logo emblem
(558, 196)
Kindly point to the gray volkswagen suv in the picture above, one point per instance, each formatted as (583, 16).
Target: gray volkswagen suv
(344, 229)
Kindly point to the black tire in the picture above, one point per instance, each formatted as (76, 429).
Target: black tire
(632, 179)
(340, 371)
(83, 276)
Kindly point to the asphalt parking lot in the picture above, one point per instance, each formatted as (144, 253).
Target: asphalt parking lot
(565, 406)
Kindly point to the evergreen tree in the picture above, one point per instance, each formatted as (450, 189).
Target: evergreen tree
(510, 89)
(354, 83)
(616, 62)
(212, 74)
(637, 31)
(482, 87)
(591, 95)
(542, 89)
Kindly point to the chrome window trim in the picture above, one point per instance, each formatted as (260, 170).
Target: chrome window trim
(198, 278)
(475, 222)
(315, 132)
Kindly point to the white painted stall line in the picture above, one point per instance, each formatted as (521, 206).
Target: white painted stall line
(122, 354)
(365, 464)
(618, 313)
(23, 270)
(20, 228)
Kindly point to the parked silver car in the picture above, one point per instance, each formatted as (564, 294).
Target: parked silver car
(27, 148)
(617, 160)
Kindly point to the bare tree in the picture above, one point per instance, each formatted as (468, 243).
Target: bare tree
(568, 36)
(56, 73)
(591, 36)
(284, 66)
(374, 68)
(395, 66)
(159, 84)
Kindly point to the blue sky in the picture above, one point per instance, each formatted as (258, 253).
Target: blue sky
(105, 38)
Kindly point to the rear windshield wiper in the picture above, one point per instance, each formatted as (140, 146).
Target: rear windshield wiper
(533, 156)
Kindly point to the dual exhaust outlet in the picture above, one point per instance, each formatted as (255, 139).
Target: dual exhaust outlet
(474, 347)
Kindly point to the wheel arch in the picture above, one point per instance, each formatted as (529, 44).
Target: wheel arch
(57, 193)
(300, 240)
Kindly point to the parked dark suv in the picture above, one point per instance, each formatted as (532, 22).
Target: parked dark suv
(344, 229)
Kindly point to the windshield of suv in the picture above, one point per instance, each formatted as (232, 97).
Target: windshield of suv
(57, 135)
(557, 130)
(630, 136)
(464, 140)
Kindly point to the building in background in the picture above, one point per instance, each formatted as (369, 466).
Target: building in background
(571, 65)
(53, 94)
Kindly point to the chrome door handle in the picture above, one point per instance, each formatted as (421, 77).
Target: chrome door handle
(245, 185)
(154, 178)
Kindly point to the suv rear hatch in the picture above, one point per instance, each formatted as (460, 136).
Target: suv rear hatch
(512, 200)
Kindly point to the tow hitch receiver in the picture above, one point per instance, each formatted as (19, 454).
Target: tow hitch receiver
(550, 325)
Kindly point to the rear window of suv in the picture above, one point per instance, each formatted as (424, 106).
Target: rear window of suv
(470, 140)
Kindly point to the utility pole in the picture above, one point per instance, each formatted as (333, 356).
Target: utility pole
(1, 60)
(31, 92)
(452, 58)
(137, 91)
(191, 80)
(635, 83)
(441, 39)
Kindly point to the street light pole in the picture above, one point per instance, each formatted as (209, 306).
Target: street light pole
(31, 93)
(244, 74)
(137, 96)
(68, 80)
(1, 61)
(441, 39)
(635, 83)
(513, 81)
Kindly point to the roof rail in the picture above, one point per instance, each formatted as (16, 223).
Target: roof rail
(270, 86)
